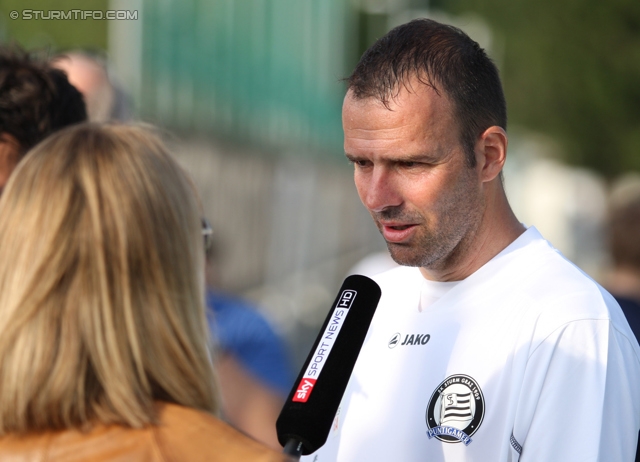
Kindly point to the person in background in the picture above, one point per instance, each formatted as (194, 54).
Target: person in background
(252, 361)
(35, 101)
(623, 280)
(103, 336)
(105, 100)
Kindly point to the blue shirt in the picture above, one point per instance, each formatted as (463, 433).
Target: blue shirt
(240, 330)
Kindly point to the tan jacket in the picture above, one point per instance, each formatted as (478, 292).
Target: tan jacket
(184, 434)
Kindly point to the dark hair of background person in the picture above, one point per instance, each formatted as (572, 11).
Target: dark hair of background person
(35, 99)
(438, 55)
(89, 73)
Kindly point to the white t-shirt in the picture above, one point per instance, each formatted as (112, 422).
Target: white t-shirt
(527, 359)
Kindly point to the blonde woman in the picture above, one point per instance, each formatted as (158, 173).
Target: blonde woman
(103, 341)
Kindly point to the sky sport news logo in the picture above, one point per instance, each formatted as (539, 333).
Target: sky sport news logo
(324, 346)
(81, 15)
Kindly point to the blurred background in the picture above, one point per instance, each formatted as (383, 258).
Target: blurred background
(251, 91)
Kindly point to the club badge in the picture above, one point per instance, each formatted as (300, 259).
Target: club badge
(455, 410)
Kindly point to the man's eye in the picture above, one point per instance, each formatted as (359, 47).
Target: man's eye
(408, 164)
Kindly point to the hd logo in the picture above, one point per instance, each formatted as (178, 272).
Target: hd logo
(409, 339)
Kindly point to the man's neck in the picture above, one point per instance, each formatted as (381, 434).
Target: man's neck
(497, 230)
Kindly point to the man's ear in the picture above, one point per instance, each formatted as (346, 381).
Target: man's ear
(9, 156)
(491, 152)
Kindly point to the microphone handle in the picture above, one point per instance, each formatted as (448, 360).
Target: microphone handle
(293, 448)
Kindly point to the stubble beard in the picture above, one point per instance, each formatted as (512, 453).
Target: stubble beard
(439, 246)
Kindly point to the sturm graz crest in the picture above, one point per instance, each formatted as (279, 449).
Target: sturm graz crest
(455, 410)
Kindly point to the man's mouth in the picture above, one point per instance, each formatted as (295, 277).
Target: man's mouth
(397, 233)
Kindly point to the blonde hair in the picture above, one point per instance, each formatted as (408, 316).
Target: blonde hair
(101, 286)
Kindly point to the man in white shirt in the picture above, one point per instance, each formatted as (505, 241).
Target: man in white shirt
(487, 344)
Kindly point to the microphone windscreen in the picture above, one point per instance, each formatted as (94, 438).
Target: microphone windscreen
(311, 406)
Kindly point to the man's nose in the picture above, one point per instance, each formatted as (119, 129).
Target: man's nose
(378, 190)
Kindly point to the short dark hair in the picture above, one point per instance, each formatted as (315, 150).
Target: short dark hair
(437, 54)
(35, 99)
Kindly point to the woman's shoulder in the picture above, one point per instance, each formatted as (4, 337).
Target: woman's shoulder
(182, 434)
(100, 444)
(190, 434)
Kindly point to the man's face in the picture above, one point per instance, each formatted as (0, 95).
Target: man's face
(412, 175)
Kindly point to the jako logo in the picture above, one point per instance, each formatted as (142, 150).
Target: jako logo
(395, 340)
(409, 339)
